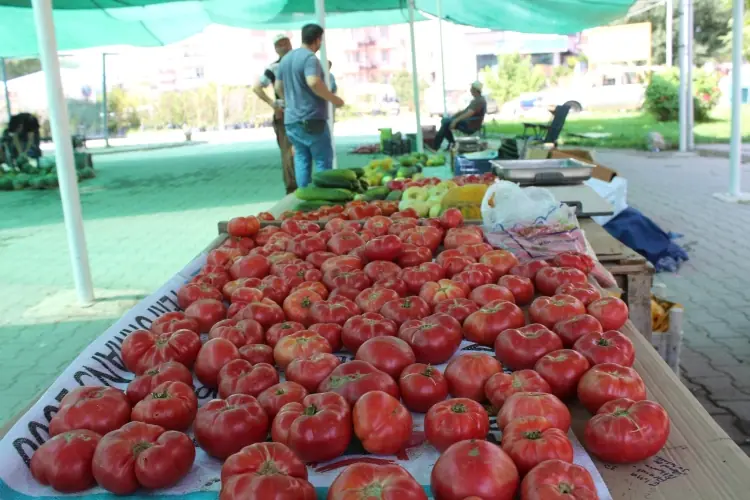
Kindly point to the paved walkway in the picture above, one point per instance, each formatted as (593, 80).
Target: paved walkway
(676, 192)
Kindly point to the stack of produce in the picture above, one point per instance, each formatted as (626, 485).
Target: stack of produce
(402, 296)
(337, 187)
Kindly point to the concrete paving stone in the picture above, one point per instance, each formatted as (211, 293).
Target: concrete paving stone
(740, 409)
(722, 389)
(712, 408)
(699, 368)
(739, 347)
(720, 357)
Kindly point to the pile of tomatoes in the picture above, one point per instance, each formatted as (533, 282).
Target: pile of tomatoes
(402, 297)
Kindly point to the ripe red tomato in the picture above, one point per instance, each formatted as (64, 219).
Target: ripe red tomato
(359, 329)
(459, 308)
(455, 265)
(274, 288)
(451, 217)
(355, 279)
(549, 279)
(279, 260)
(372, 299)
(421, 387)
(388, 247)
(302, 344)
(242, 377)
(315, 286)
(415, 277)
(335, 310)
(243, 226)
(98, 409)
(446, 254)
(215, 276)
(412, 256)
(534, 404)
(581, 261)
(246, 295)
(171, 405)
(362, 212)
(484, 325)
(611, 312)
(500, 261)
(501, 386)
(585, 292)
(257, 353)
(455, 420)
(143, 350)
(608, 381)
(530, 441)
(318, 428)
(240, 333)
(624, 431)
(396, 284)
(275, 397)
(381, 423)
(342, 263)
(233, 285)
(437, 291)
(337, 224)
(382, 269)
(265, 233)
(484, 294)
(142, 385)
(344, 242)
(190, 292)
(562, 370)
(266, 216)
(475, 250)
(475, 276)
(467, 374)
(297, 306)
(356, 378)
(529, 269)
(212, 357)
(521, 348)
(484, 470)
(400, 226)
(74, 449)
(331, 332)
(303, 245)
(403, 309)
(250, 266)
(521, 288)
(274, 485)
(388, 354)
(423, 236)
(142, 455)
(555, 477)
(280, 330)
(225, 254)
(390, 481)
(551, 310)
(572, 329)
(318, 258)
(266, 312)
(310, 372)
(455, 237)
(608, 347)
(345, 292)
(434, 339)
(263, 459)
(378, 225)
(207, 312)
(225, 426)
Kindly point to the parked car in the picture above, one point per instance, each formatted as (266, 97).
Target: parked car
(613, 89)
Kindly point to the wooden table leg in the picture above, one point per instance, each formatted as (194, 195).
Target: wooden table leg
(639, 302)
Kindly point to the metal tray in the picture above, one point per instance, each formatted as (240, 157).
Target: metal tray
(543, 172)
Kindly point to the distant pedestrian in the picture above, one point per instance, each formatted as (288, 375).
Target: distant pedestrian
(300, 83)
(334, 87)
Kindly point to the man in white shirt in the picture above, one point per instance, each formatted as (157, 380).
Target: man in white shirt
(281, 45)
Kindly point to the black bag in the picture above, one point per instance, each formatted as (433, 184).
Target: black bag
(314, 127)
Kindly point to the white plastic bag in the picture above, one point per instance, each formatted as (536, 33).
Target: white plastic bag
(615, 192)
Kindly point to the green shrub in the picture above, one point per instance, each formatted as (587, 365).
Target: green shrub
(21, 181)
(662, 95)
(6, 183)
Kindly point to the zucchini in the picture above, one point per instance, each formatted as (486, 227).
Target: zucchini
(311, 193)
(342, 178)
(360, 172)
(310, 205)
(376, 193)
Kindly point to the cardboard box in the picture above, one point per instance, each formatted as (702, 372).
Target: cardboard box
(600, 171)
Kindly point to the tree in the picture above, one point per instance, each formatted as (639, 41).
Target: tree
(513, 76)
(404, 88)
(20, 67)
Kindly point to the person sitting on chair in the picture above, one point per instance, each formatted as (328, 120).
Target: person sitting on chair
(467, 121)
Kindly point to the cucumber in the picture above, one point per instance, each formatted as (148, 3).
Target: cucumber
(311, 193)
(342, 178)
(360, 172)
(394, 195)
(376, 193)
(310, 205)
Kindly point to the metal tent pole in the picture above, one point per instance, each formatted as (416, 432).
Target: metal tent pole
(66, 172)
(442, 53)
(4, 75)
(670, 27)
(415, 78)
(105, 111)
(683, 54)
(735, 149)
(320, 12)
(689, 91)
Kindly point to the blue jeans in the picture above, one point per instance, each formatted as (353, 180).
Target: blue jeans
(309, 149)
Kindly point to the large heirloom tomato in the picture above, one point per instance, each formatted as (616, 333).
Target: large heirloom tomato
(458, 236)
(572, 329)
(342, 263)
(485, 325)
(250, 266)
(459, 309)
(243, 226)
(257, 353)
(434, 292)
(98, 409)
(500, 261)
(402, 310)
(316, 286)
(335, 310)
(608, 381)
(241, 377)
(337, 224)
(549, 279)
(433, 339)
(356, 279)
(580, 261)
(484, 294)
(378, 225)
(317, 429)
(474, 468)
(64, 461)
(344, 292)
(451, 218)
(142, 455)
(281, 330)
(532, 440)
(608, 347)
(301, 344)
(388, 354)
(501, 386)
(475, 275)
(171, 405)
(562, 370)
(400, 226)
(382, 269)
(310, 372)
(263, 458)
(455, 420)
(455, 265)
(421, 387)
(415, 277)
(396, 284)
(423, 236)
(267, 483)
(298, 306)
(266, 312)
(275, 397)
(303, 245)
(225, 426)
(211, 359)
(389, 481)
(521, 288)
(551, 310)
(173, 321)
(239, 333)
(388, 247)
(143, 350)
(190, 292)
(625, 431)
(381, 423)
(585, 292)
(555, 479)
(344, 242)
(475, 250)
(467, 374)
(245, 295)
(359, 329)
(318, 258)
(373, 299)
(274, 288)
(143, 384)
(331, 332)
(356, 378)
(611, 312)
(529, 269)
(521, 348)
(228, 289)
(534, 404)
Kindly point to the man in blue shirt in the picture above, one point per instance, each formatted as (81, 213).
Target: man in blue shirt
(300, 83)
